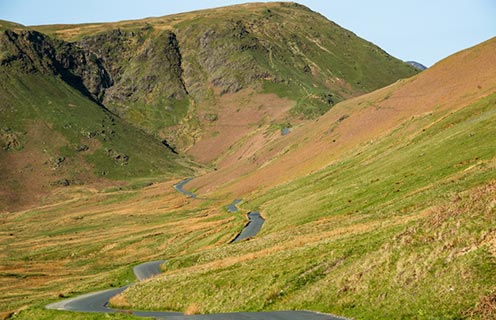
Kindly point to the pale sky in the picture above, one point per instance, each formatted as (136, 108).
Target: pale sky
(422, 30)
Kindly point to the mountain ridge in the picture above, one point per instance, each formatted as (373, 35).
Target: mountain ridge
(253, 38)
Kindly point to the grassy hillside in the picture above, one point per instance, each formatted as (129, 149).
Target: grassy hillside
(169, 74)
(8, 25)
(400, 225)
(52, 137)
(407, 106)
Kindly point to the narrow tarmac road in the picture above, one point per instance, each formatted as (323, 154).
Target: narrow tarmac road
(252, 228)
(99, 301)
(179, 187)
(147, 270)
(233, 207)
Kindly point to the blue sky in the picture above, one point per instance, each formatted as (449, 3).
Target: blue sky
(421, 30)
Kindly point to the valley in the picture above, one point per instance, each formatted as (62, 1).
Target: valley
(370, 186)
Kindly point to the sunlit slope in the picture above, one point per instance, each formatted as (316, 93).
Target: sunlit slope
(409, 107)
(398, 222)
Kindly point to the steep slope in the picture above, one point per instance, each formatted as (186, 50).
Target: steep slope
(466, 77)
(181, 76)
(386, 211)
(53, 134)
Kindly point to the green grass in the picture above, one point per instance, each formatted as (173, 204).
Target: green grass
(309, 101)
(355, 239)
(34, 98)
(41, 314)
(159, 116)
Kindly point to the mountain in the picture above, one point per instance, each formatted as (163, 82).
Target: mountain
(417, 65)
(353, 122)
(381, 208)
(53, 131)
(179, 76)
(377, 204)
(206, 84)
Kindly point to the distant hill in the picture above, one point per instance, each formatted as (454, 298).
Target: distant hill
(417, 65)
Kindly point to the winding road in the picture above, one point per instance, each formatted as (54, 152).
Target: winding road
(233, 207)
(179, 187)
(99, 301)
(255, 222)
(252, 228)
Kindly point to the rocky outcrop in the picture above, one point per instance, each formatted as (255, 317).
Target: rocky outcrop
(118, 157)
(30, 51)
(9, 140)
(115, 48)
(153, 72)
(225, 57)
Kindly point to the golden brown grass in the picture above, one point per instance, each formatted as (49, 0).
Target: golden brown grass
(89, 243)
(119, 301)
(192, 309)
